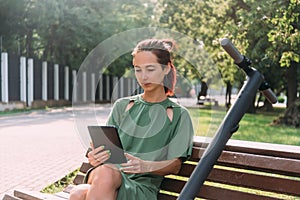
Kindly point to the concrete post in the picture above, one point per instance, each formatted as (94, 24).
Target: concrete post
(107, 87)
(84, 89)
(23, 85)
(115, 88)
(56, 82)
(100, 87)
(45, 81)
(93, 87)
(30, 82)
(66, 85)
(121, 84)
(4, 77)
(74, 93)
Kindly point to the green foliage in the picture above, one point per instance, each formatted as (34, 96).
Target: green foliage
(65, 32)
(61, 184)
(284, 35)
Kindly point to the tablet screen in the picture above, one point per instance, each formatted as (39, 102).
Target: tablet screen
(108, 136)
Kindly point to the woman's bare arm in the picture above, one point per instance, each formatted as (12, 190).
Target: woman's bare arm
(136, 166)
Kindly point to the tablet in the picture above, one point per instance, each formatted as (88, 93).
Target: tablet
(108, 136)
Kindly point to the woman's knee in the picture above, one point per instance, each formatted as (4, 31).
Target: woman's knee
(106, 174)
(79, 192)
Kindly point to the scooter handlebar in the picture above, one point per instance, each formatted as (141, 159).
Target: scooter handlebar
(239, 58)
(232, 51)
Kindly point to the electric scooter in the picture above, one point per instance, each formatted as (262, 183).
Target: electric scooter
(230, 124)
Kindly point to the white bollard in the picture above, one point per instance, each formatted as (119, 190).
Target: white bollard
(115, 88)
(44, 81)
(134, 86)
(4, 77)
(100, 87)
(129, 91)
(121, 84)
(93, 87)
(56, 82)
(30, 82)
(84, 89)
(74, 93)
(67, 87)
(107, 88)
(23, 85)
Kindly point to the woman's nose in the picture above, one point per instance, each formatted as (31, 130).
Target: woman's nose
(144, 75)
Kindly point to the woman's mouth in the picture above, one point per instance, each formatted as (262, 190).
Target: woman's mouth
(146, 84)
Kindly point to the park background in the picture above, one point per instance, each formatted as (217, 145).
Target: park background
(63, 32)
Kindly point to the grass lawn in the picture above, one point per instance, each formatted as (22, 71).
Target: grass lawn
(253, 127)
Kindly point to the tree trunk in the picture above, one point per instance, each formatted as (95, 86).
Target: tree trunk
(29, 45)
(291, 77)
(228, 95)
(267, 105)
(291, 116)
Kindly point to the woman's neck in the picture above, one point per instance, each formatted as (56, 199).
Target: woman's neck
(154, 97)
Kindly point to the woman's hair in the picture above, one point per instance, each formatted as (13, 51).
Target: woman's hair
(162, 49)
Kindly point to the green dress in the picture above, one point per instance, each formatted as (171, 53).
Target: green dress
(147, 132)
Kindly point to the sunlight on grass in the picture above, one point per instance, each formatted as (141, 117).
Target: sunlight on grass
(253, 127)
(206, 121)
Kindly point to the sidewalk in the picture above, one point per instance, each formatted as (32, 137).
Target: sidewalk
(39, 148)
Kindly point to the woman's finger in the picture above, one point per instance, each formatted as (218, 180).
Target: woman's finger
(129, 156)
(98, 149)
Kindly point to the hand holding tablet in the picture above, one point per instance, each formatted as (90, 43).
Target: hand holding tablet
(107, 138)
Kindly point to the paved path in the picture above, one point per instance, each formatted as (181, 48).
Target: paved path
(40, 147)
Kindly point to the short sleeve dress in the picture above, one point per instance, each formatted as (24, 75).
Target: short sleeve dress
(147, 132)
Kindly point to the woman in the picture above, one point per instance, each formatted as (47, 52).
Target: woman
(156, 133)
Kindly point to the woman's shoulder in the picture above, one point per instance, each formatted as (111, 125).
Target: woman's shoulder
(125, 100)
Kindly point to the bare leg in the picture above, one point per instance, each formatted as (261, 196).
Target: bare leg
(105, 181)
(79, 192)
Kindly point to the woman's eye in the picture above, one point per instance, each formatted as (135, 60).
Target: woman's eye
(137, 70)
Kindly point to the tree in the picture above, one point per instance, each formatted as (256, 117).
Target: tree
(249, 25)
(285, 39)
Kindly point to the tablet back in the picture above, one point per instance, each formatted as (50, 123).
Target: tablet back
(108, 136)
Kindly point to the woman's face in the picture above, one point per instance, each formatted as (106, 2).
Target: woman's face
(149, 73)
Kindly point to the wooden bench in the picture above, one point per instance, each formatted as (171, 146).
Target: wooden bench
(245, 170)
(207, 100)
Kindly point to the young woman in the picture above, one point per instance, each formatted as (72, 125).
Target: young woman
(156, 133)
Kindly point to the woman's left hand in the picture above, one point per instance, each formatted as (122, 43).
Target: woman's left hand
(135, 165)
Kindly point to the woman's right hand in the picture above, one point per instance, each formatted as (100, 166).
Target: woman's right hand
(98, 156)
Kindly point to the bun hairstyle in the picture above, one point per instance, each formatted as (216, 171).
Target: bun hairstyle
(162, 49)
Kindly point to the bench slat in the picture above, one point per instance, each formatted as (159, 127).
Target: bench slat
(78, 179)
(244, 179)
(85, 167)
(258, 148)
(69, 188)
(32, 195)
(9, 197)
(212, 192)
(254, 181)
(166, 196)
(283, 166)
